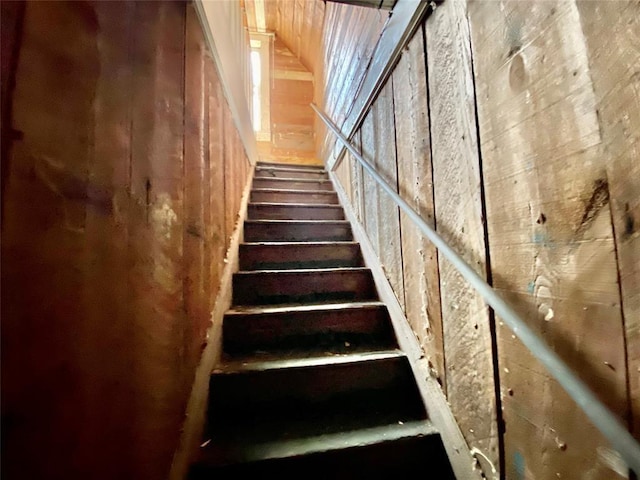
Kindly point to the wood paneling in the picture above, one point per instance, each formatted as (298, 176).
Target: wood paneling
(539, 194)
(389, 242)
(550, 234)
(613, 49)
(292, 119)
(108, 271)
(350, 35)
(415, 180)
(458, 210)
(298, 24)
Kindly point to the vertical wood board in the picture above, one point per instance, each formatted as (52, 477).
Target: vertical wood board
(415, 178)
(613, 48)
(549, 230)
(389, 239)
(458, 210)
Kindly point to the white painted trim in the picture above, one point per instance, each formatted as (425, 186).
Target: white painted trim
(406, 16)
(221, 22)
(464, 465)
(198, 400)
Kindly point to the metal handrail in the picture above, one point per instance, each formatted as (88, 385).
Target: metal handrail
(620, 439)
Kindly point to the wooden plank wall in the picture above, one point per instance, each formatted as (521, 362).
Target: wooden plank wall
(349, 38)
(292, 119)
(314, 31)
(514, 130)
(123, 186)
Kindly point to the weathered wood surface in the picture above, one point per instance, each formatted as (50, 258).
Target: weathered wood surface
(292, 119)
(550, 233)
(415, 180)
(196, 156)
(216, 232)
(103, 187)
(458, 210)
(357, 179)
(389, 241)
(370, 209)
(350, 34)
(558, 109)
(343, 173)
(613, 49)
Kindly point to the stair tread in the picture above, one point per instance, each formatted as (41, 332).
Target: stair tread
(293, 190)
(304, 243)
(294, 179)
(291, 308)
(249, 451)
(262, 163)
(303, 271)
(295, 205)
(289, 167)
(290, 222)
(261, 365)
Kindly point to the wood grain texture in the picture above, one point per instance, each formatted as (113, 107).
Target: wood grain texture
(389, 240)
(613, 48)
(195, 170)
(549, 230)
(458, 210)
(415, 179)
(357, 179)
(349, 37)
(292, 119)
(370, 207)
(217, 230)
(98, 356)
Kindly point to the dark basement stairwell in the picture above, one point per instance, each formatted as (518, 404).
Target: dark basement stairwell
(312, 383)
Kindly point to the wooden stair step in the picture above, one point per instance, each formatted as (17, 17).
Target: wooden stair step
(293, 183)
(297, 211)
(281, 195)
(297, 230)
(288, 172)
(386, 451)
(292, 398)
(290, 255)
(297, 166)
(337, 328)
(268, 287)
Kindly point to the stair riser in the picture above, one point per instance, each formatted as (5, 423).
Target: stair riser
(265, 232)
(327, 330)
(302, 287)
(283, 257)
(294, 197)
(293, 212)
(281, 391)
(292, 184)
(275, 173)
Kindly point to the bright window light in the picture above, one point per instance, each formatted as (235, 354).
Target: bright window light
(256, 81)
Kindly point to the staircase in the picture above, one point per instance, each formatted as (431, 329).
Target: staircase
(312, 382)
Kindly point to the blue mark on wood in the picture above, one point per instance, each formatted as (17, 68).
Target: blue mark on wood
(540, 237)
(531, 287)
(518, 463)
